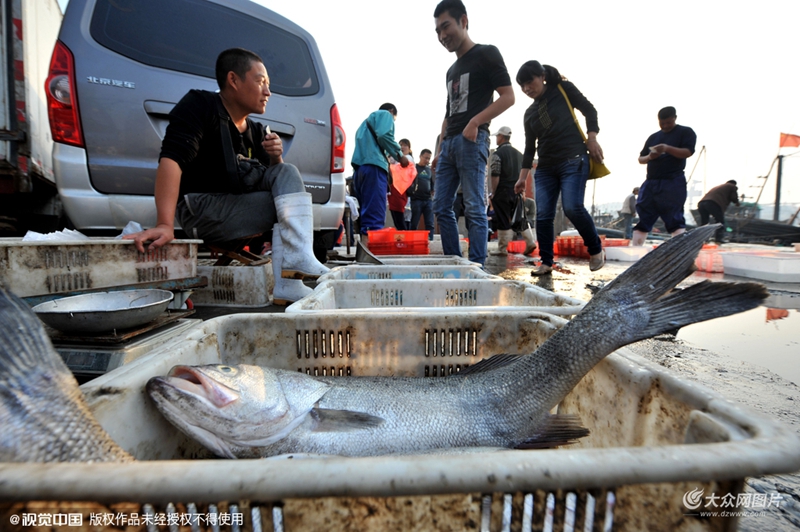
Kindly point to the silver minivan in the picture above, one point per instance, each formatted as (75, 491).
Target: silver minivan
(119, 67)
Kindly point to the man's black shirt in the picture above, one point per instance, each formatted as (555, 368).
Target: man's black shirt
(471, 82)
(193, 141)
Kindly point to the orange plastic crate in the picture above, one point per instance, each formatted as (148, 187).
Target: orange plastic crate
(572, 246)
(390, 241)
(616, 242)
(518, 246)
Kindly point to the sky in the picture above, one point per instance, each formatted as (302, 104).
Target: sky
(730, 70)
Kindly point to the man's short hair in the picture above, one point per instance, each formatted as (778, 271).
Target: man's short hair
(732, 181)
(455, 8)
(236, 60)
(423, 152)
(667, 112)
(388, 107)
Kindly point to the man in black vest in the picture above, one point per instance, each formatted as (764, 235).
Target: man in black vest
(505, 166)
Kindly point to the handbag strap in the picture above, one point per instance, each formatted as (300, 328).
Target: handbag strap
(572, 110)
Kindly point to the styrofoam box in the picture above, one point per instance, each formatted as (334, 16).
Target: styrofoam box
(776, 266)
(626, 254)
(445, 295)
(40, 268)
(435, 247)
(235, 286)
(372, 271)
(654, 437)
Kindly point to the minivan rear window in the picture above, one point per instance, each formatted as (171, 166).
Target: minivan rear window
(188, 35)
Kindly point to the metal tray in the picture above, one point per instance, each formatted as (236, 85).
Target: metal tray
(104, 311)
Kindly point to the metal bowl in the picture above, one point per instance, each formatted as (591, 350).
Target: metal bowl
(104, 311)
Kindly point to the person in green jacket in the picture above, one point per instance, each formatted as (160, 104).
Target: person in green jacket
(374, 144)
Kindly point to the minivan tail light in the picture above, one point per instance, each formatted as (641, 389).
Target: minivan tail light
(62, 105)
(337, 142)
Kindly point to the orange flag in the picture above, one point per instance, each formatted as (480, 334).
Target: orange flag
(790, 141)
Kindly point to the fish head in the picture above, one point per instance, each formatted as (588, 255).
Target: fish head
(226, 406)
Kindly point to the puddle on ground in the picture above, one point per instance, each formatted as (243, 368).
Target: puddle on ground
(767, 336)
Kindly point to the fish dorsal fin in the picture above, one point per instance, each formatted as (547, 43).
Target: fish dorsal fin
(494, 362)
(559, 429)
(327, 420)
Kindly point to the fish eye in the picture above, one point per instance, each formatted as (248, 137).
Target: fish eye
(226, 369)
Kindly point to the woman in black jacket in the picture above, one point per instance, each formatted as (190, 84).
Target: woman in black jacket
(563, 166)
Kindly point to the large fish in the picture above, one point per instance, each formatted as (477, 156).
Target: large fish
(250, 411)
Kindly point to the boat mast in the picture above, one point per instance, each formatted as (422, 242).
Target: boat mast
(776, 215)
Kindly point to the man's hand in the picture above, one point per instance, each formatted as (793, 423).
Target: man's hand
(160, 235)
(519, 186)
(273, 145)
(471, 131)
(659, 148)
(404, 161)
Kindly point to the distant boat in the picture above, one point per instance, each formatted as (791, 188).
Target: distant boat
(746, 227)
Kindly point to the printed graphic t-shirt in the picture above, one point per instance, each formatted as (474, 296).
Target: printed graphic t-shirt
(471, 82)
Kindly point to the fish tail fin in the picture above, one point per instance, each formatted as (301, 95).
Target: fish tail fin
(650, 285)
(704, 301)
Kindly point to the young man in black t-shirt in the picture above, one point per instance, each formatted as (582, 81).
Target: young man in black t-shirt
(478, 72)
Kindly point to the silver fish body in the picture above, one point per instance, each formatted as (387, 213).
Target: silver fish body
(43, 414)
(502, 402)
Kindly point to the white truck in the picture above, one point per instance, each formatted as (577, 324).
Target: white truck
(28, 195)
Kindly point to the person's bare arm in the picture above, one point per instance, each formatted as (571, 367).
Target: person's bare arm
(168, 181)
(680, 153)
(519, 186)
(497, 107)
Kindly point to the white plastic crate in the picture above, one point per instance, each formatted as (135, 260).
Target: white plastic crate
(235, 286)
(776, 266)
(370, 271)
(445, 295)
(40, 268)
(654, 437)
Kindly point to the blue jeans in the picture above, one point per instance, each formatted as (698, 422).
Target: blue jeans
(569, 179)
(422, 209)
(370, 185)
(463, 162)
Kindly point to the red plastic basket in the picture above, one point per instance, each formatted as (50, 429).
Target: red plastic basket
(572, 246)
(390, 241)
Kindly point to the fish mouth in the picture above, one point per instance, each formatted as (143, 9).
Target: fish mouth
(194, 382)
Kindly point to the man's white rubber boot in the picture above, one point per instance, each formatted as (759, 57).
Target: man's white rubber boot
(530, 241)
(504, 236)
(296, 217)
(286, 291)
